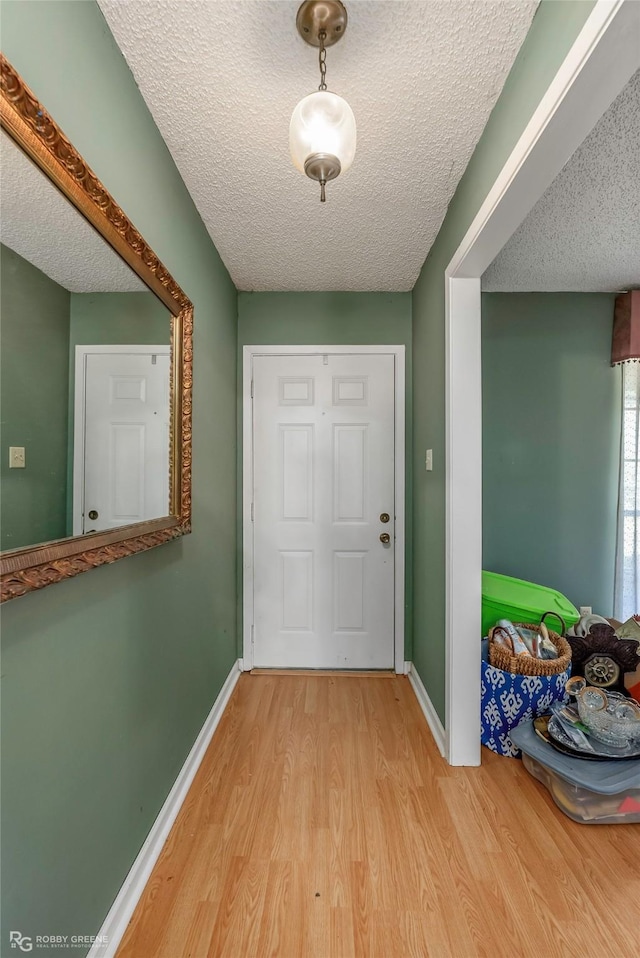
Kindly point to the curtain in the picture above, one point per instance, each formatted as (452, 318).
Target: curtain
(627, 577)
(625, 342)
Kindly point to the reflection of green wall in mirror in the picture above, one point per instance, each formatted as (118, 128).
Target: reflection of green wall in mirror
(103, 319)
(117, 318)
(34, 378)
(41, 325)
(551, 408)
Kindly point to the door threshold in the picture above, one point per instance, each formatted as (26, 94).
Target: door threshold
(358, 673)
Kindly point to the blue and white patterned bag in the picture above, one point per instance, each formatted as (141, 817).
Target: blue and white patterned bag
(509, 699)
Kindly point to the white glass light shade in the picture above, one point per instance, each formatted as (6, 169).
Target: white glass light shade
(322, 123)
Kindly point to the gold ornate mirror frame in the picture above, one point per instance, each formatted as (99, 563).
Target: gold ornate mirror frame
(24, 570)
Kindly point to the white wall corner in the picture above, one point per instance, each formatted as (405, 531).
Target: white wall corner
(115, 924)
(425, 703)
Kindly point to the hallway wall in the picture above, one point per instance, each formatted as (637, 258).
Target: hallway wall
(108, 677)
(340, 318)
(551, 420)
(553, 31)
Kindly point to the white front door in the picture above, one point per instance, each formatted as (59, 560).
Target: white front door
(323, 494)
(126, 438)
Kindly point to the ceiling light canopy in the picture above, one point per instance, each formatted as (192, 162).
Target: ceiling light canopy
(322, 133)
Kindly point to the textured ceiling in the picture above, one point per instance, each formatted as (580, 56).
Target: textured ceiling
(584, 233)
(222, 78)
(42, 226)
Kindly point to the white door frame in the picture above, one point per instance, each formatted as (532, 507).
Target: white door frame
(79, 410)
(248, 352)
(601, 61)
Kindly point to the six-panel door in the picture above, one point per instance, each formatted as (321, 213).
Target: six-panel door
(323, 436)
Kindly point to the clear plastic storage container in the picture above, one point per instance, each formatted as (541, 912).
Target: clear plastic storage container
(592, 793)
(583, 805)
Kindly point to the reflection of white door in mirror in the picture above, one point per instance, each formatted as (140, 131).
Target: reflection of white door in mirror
(121, 461)
(54, 296)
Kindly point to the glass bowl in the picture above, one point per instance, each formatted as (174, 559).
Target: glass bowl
(610, 717)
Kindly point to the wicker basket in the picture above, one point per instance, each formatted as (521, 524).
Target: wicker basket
(502, 658)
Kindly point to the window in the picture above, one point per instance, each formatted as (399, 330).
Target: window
(627, 551)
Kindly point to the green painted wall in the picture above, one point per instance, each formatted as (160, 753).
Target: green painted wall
(307, 319)
(108, 677)
(551, 441)
(34, 382)
(117, 318)
(554, 29)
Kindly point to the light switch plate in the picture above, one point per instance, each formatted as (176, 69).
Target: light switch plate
(16, 457)
(428, 460)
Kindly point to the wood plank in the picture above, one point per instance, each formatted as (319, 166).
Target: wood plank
(323, 823)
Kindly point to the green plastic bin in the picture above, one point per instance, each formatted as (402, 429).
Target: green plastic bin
(506, 598)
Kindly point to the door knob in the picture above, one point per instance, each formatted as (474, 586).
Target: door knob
(384, 517)
(93, 514)
(385, 538)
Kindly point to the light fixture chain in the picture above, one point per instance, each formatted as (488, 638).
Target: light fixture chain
(322, 57)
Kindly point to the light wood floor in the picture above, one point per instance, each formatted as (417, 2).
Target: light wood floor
(324, 824)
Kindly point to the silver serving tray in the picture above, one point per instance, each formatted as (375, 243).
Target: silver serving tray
(599, 748)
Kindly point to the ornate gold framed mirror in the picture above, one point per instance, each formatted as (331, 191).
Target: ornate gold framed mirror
(129, 296)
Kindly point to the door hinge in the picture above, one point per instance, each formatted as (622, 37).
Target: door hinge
(252, 512)
(253, 635)
(252, 388)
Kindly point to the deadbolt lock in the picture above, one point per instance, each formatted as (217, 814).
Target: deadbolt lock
(385, 538)
(384, 517)
(93, 514)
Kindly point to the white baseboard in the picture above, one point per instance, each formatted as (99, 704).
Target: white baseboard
(425, 703)
(115, 924)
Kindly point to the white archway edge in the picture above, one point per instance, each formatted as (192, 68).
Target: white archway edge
(601, 61)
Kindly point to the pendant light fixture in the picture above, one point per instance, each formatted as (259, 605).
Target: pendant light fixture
(322, 133)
